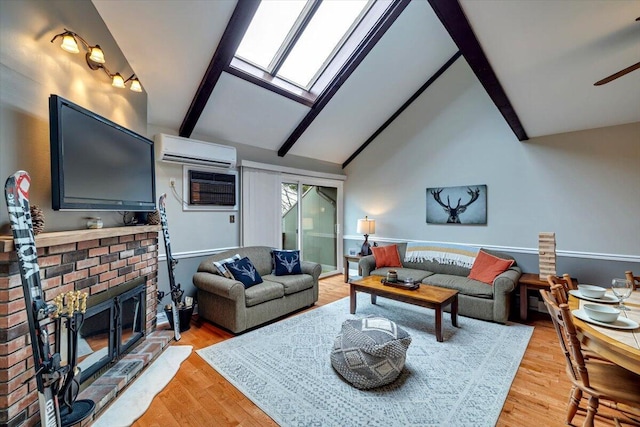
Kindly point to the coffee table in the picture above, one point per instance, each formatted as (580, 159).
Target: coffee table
(426, 296)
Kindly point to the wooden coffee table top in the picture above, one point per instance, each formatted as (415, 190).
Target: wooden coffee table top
(427, 293)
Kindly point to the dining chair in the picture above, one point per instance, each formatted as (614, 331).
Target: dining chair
(635, 280)
(567, 283)
(606, 384)
(559, 294)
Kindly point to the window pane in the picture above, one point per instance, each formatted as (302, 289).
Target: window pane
(268, 29)
(325, 31)
(289, 216)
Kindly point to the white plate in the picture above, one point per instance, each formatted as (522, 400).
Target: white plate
(621, 323)
(606, 299)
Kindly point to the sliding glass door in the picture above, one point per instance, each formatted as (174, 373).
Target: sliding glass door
(310, 212)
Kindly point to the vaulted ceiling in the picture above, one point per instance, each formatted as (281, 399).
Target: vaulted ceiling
(545, 55)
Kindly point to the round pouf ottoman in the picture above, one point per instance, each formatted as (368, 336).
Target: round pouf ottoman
(370, 352)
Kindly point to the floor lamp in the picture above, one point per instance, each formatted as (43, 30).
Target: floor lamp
(366, 226)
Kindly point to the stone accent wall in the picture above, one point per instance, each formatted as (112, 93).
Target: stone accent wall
(88, 260)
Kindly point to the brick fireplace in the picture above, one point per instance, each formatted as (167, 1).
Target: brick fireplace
(93, 261)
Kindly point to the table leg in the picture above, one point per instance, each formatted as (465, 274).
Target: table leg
(373, 298)
(524, 302)
(352, 299)
(346, 270)
(454, 311)
(439, 324)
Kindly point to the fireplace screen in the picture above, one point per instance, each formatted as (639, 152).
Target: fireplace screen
(112, 325)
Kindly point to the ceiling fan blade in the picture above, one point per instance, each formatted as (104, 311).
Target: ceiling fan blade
(618, 74)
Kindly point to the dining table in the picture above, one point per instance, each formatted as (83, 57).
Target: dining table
(619, 345)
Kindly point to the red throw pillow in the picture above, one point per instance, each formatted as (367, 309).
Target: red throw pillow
(386, 256)
(487, 267)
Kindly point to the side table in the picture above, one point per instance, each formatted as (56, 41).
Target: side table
(347, 259)
(531, 281)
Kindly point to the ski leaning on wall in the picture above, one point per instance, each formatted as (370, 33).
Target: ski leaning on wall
(176, 292)
(50, 375)
(47, 365)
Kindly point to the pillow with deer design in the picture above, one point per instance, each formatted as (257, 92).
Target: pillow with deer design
(287, 262)
(244, 271)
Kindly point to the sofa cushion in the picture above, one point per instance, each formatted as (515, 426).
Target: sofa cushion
(464, 285)
(244, 271)
(403, 273)
(263, 292)
(386, 256)
(487, 267)
(292, 283)
(222, 268)
(286, 262)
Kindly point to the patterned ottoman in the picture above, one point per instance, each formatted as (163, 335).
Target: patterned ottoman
(370, 352)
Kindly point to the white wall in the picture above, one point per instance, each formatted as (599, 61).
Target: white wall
(32, 68)
(584, 186)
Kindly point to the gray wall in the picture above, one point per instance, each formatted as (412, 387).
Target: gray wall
(584, 186)
(32, 68)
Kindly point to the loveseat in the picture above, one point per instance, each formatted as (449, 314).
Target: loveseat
(475, 299)
(227, 303)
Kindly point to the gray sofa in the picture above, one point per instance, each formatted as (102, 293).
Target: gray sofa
(475, 299)
(227, 303)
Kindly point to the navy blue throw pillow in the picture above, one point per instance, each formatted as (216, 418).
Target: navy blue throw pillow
(244, 271)
(287, 262)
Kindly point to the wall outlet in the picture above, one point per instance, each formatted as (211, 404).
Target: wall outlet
(172, 182)
(232, 219)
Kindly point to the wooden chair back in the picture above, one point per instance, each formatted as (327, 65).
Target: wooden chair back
(567, 335)
(635, 280)
(567, 284)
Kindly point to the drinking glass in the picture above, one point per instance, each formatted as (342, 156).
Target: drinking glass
(621, 288)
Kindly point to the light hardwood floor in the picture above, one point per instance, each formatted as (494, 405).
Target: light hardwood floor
(199, 396)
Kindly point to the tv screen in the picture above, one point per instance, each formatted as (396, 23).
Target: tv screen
(97, 164)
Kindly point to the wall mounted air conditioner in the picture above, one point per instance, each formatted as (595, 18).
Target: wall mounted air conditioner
(185, 151)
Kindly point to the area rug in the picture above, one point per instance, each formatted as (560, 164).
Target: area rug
(135, 400)
(284, 368)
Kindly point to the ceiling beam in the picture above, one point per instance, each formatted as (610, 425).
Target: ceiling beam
(454, 20)
(379, 29)
(404, 106)
(233, 34)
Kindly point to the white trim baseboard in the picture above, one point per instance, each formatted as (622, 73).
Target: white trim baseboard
(532, 251)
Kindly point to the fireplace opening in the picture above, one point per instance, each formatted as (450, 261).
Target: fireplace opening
(114, 323)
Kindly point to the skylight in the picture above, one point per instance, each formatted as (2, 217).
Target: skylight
(295, 40)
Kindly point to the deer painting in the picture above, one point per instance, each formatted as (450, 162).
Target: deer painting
(454, 212)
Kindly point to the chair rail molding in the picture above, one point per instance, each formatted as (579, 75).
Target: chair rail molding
(195, 254)
(515, 249)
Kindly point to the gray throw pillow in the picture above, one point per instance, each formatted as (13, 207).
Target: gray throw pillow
(222, 268)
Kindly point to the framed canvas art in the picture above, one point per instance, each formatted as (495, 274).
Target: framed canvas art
(457, 205)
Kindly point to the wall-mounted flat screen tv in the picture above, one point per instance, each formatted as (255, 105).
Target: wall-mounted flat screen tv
(97, 164)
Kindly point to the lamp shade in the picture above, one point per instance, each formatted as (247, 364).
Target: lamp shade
(135, 85)
(69, 44)
(118, 81)
(96, 54)
(366, 226)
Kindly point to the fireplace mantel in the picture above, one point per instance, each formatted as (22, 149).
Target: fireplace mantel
(72, 236)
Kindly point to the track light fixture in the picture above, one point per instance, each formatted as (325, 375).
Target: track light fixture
(95, 59)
